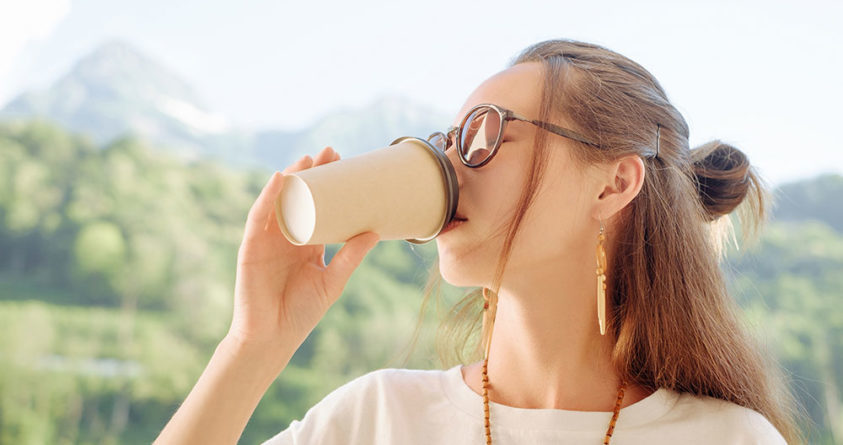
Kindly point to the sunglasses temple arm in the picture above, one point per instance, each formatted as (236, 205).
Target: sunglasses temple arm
(554, 129)
(568, 134)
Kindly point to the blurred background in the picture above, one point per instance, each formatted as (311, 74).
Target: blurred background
(134, 136)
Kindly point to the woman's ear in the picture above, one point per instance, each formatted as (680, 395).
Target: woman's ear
(620, 184)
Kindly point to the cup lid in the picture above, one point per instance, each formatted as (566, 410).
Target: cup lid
(449, 178)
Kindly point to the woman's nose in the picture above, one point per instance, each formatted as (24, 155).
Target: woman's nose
(459, 168)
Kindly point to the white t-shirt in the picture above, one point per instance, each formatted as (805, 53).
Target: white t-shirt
(408, 407)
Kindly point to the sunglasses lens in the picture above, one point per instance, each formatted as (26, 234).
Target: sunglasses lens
(438, 140)
(479, 135)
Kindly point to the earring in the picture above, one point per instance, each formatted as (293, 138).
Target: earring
(490, 309)
(601, 281)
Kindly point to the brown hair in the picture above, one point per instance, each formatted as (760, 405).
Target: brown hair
(675, 324)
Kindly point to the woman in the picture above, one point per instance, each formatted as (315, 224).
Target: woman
(572, 164)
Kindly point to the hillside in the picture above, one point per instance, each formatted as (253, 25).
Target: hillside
(117, 90)
(117, 267)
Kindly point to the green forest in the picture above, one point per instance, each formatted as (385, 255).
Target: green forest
(117, 268)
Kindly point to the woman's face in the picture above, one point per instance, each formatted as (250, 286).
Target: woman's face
(555, 227)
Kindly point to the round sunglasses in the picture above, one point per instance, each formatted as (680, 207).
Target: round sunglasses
(481, 130)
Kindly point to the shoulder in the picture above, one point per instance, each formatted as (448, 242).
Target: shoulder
(377, 390)
(386, 383)
(396, 376)
(352, 410)
(723, 421)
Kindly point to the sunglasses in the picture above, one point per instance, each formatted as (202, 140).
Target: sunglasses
(481, 130)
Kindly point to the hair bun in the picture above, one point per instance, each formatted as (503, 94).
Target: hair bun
(723, 177)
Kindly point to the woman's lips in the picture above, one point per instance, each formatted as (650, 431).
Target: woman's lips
(456, 222)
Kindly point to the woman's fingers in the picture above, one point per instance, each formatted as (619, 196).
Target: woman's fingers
(346, 261)
(264, 207)
(303, 163)
(324, 156)
(265, 202)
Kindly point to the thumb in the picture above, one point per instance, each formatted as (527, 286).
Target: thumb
(346, 260)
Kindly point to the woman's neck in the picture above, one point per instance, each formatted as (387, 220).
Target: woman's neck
(547, 351)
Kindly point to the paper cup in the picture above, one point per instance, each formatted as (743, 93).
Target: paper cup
(407, 191)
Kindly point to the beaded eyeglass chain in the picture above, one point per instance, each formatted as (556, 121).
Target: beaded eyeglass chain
(489, 309)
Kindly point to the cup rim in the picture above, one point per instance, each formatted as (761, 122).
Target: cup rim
(449, 177)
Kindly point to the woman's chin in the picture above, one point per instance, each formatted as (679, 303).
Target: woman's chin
(455, 276)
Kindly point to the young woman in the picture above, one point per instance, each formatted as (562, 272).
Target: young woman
(590, 233)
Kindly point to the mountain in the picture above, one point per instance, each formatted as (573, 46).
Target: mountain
(350, 132)
(117, 90)
(811, 199)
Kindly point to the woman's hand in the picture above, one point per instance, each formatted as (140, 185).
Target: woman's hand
(283, 290)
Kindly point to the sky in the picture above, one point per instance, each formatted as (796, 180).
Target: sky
(765, 76)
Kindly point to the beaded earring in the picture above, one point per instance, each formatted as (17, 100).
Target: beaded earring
(601, 281)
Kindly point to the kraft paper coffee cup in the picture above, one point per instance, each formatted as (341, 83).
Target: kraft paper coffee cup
(407, 191)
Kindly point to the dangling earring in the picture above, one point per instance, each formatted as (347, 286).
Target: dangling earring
(601, 281)
(490, 309)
